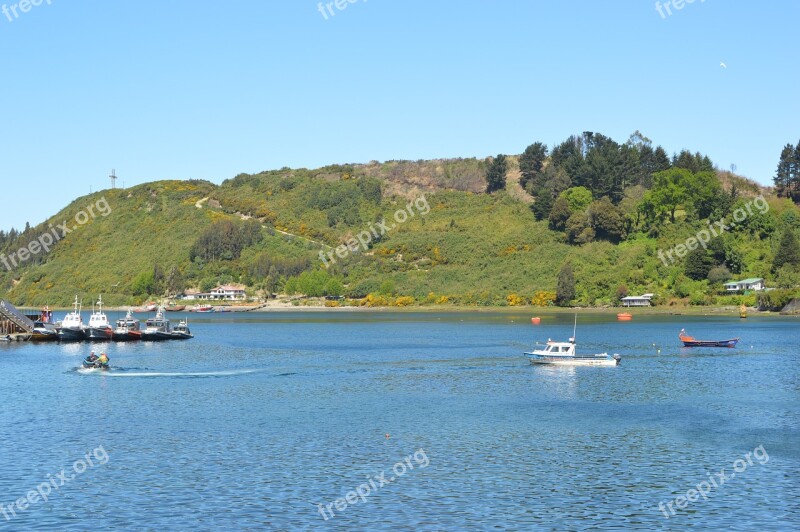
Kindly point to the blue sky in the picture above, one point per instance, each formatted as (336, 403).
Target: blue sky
(197, 89)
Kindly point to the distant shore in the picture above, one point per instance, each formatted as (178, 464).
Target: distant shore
(316, 306)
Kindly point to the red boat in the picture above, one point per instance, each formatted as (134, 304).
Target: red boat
(689, 341)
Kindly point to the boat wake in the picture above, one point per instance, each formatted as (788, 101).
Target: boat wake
(155, 374)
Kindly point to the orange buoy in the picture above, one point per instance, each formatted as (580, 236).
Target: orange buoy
(624, 316)
(536, 321)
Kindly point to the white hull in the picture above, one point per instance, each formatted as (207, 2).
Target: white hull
(575, 361)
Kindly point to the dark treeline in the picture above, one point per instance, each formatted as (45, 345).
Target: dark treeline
(592, 187)
(225, 240)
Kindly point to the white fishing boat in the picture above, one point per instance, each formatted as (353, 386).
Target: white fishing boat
(71, 328)
(99, 328)
(563, 354)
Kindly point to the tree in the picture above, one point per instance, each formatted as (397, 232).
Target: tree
(706, 194)
(670, 189)
(607, 220)
(698, 264)
(578, 198)
(559, 214)
(787, 176)
(578, 229)
(693, 162)
(531, 162)
(565, 287)
(496, 174)
(788, 251)
(173, 281)
(544, 203)
(718, 274)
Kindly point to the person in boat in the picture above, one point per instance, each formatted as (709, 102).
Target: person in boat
(92, 357)
(102, 359)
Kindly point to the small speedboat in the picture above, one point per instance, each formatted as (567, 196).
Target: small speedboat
(94, 364)
(203, 308)
(689, 341)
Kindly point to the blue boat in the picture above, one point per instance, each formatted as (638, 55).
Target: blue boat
(689, 341)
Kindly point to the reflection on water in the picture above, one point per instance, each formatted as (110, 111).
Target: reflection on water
(262, 417)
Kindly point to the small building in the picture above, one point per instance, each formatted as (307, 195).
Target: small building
(227, 292)
(754, 283)
(637, 301)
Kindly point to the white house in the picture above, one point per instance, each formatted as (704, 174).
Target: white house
(227, 292)
(754, 283)
(637, 301)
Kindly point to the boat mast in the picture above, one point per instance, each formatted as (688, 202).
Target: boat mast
(574, 327)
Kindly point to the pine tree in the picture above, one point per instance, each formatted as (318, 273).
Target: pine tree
(496, 174)
(531, 162)
(565, 288)
(796, 177)
(788, 251)
(698, 264)
(783, 174)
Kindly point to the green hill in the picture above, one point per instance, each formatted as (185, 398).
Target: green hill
(289, 231)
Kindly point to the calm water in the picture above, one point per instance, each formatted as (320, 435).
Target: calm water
(261, 418)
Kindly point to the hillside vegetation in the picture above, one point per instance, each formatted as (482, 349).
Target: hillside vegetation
(427, 232)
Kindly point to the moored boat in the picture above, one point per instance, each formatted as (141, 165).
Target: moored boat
(181, 331)
(44, 330)
(202, 308)
(157, 328)
(175, 308)
(147, 307)
(99, 329)
(563, 354)
(72, 328)
(690, 341)
(127, 329)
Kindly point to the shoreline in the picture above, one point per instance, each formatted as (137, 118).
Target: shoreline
(283, 306)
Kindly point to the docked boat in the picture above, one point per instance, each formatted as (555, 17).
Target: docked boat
(181, 331)
(175, 308)
(99, 329)
(563, 354)
(44, 330)
(690, 341)
(203, 308)
(127, 329)
(157, 328)
(148, 307)
(72, 328)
